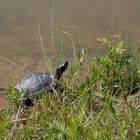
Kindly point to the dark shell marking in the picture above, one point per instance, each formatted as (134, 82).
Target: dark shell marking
(36, 82)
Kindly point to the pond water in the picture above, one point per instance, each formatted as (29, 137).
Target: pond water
(84, 20)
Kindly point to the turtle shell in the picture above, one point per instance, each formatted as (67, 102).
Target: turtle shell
(36, 82)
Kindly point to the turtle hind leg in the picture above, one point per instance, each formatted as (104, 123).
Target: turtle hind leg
(28, 102)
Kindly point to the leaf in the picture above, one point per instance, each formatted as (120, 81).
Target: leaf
(99, 95)
(110, 106)
(120, 44)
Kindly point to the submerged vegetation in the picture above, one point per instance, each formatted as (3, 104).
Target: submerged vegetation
(104, 105)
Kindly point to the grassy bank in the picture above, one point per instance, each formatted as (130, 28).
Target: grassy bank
(103, 106)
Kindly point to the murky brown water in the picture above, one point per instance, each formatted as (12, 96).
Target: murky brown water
(19, 38)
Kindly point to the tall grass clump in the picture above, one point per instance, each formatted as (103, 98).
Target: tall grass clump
(117, 70)
(103, 106)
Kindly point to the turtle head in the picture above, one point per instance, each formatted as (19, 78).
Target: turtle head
(60, 69)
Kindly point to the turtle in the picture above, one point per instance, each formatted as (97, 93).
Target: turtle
(37, 82)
